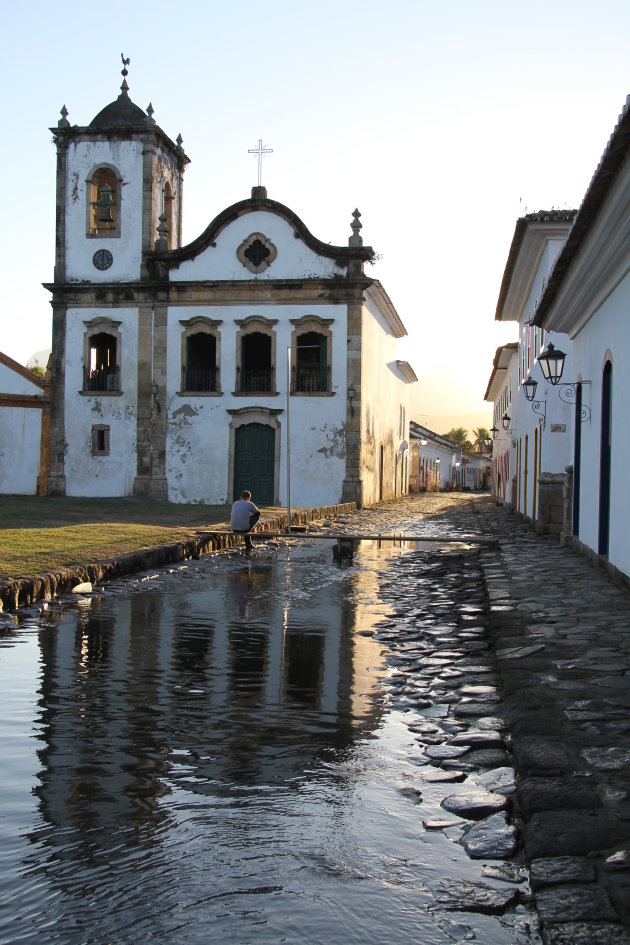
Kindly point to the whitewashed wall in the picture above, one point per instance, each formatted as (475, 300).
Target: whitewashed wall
(112, 475)
(503, 452)
(20, 436)
(198, 427)
(11, 382)
(607, 332)
(294, 259)
(382, 393)
(83, 156)
(21, 430)
(555, 441)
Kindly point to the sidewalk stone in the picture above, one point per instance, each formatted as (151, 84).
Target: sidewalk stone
(586, 933)
(575, 903)
(556, 629)
(555, 870)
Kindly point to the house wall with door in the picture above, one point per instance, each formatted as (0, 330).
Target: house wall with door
(605, 338)
(588, 297)
(200, 425)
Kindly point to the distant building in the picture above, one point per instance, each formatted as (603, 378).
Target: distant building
(25, 425)
(587, 297)
(435, 461)
(503, 382)
(186, 372)
(532, 439)
(474, 472)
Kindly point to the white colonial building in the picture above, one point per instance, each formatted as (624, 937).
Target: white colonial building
(532, 439)
(185, 372)
(435, 461)
(25, 423)
(501, 386)
(588, 297)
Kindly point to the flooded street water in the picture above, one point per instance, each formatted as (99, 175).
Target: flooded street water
(238, 750)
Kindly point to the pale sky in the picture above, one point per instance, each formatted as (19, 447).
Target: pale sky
(441, 122)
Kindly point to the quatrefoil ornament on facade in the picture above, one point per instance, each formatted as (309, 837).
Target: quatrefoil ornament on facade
(256, 253)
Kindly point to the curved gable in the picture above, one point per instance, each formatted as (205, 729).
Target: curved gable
(289, 248)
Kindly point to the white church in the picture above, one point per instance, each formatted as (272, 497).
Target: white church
(184, 372)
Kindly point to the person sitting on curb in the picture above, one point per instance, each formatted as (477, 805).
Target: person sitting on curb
(244, 517)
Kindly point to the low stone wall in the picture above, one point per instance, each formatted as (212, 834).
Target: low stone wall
(23, 591)
(550, 504)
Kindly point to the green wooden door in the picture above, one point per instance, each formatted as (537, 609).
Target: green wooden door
(254, 460)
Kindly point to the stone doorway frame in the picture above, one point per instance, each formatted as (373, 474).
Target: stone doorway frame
(267, 416)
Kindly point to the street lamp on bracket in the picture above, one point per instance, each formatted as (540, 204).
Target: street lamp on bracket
(552, 365)
(539, 407)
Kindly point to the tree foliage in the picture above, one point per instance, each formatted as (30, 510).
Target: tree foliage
(459, 436)
(479, 435)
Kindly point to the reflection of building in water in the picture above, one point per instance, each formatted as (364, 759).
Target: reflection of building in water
(241, 679)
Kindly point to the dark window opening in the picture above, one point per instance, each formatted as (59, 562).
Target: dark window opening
(257, 253)
(200, 371)
(102, 373)
(256, 371)
(100, 441)
(310, 373)
(167, 209)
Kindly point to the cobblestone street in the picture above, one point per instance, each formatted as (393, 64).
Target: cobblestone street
(559, 636)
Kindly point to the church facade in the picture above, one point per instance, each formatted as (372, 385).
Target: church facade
(255, 357)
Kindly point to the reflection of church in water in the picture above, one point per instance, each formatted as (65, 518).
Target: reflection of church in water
(227, 683)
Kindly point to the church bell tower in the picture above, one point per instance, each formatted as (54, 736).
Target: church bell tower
(119, 191)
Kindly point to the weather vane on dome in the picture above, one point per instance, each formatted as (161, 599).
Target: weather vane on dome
(124, 88)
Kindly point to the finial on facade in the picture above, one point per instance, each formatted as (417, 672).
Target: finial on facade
(179, 141)
(356, 239)
(161, 243)
(124, 87)
(63, 121)
(150, 111)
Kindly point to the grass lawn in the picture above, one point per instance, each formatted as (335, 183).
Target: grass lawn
(38, 533)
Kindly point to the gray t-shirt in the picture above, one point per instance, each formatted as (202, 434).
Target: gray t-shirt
(241, 510)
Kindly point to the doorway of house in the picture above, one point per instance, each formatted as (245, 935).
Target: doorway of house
(254, 461)
(604, 461)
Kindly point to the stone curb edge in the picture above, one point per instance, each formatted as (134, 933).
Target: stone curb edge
(24, 591)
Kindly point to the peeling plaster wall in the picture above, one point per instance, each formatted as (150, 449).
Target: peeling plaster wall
(112, 475)
(20, 448)
(197, 443)
(83, 156)
(382, 394)
(294, 260)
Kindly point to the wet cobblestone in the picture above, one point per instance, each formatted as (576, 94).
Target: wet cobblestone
(537, 654)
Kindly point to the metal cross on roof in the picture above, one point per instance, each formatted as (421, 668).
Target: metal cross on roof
(260, 150)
